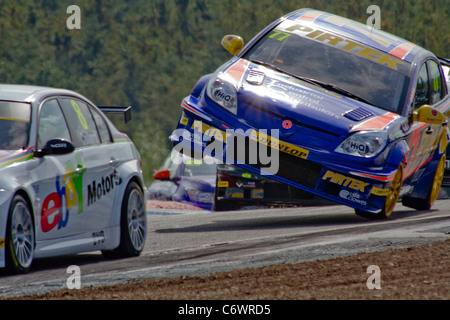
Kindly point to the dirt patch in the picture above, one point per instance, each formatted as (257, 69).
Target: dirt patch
(413, 273)
(170, 205)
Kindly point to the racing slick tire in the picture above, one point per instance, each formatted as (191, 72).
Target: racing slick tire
(20, 237)
(427, 203)
(133, 224)
(391, 198)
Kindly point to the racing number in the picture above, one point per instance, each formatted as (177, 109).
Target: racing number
(276, 33)
(80, 115)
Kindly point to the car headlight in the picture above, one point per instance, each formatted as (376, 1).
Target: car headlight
(222, 92)
(364, 144)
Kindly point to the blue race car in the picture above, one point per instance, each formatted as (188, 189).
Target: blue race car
(325, 104)
(189, 181)
(213, 186)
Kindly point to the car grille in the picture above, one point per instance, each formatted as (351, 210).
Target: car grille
(298, 170)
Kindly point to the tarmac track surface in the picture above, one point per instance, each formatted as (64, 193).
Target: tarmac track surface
(187, 243)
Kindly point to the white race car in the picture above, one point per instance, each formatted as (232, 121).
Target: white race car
(70, 182)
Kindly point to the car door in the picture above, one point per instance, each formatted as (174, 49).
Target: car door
(58, 182)
(97, 155)
(425, 137)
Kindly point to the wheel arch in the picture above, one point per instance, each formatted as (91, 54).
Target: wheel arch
(24, 194)
(115, 219)
(4, 236)
(397, 154)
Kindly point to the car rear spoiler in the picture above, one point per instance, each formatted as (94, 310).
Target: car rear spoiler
(126, 111)
(444, 62)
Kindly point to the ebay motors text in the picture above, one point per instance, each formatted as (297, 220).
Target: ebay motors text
(68, 191)
(68, 197)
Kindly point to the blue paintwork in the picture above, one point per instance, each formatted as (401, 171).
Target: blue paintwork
(323, 119)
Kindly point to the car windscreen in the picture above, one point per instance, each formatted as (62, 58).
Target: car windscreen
(14, 125)
(376, 78)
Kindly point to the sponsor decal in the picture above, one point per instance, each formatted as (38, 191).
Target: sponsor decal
(257, 194)
(101, 187)
(287, 124)
(68, 198)
(379, 192)
(352, 197)
(237, 194)
(57, 206)
(222, 184)
(184, 120)
(254, 135)
(282, 146)
(343, 44)
(344, 181)
(98, 238)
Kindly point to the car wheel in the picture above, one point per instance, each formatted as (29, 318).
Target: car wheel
(133, 224)
(391, 198)
(19, 237)
(426, 204)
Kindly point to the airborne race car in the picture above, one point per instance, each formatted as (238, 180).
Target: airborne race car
(355, 115)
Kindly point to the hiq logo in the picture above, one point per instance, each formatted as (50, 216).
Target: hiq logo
(57, 205)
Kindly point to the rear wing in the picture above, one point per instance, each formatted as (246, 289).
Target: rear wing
(126, 111)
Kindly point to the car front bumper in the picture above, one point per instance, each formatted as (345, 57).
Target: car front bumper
(342, 183)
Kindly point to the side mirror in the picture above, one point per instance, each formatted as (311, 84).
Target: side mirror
(233, 44)
(56, 147)
(162, 174)
(430, 115)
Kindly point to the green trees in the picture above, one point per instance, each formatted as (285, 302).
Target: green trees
(150, 53)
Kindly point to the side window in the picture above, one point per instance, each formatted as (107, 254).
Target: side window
(422, 88)
(52, 124)
(437, 90)
(102, 127)
(81, 124)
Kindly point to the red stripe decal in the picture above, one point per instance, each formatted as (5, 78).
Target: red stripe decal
(402, 50)
(378, 122)
(310, 16)
(237, 70)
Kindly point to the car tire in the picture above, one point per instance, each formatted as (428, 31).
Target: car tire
(20, 237)
(391, 198)
(427, 203)
(133, 224)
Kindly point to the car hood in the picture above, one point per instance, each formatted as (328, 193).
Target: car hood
(300, 110)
